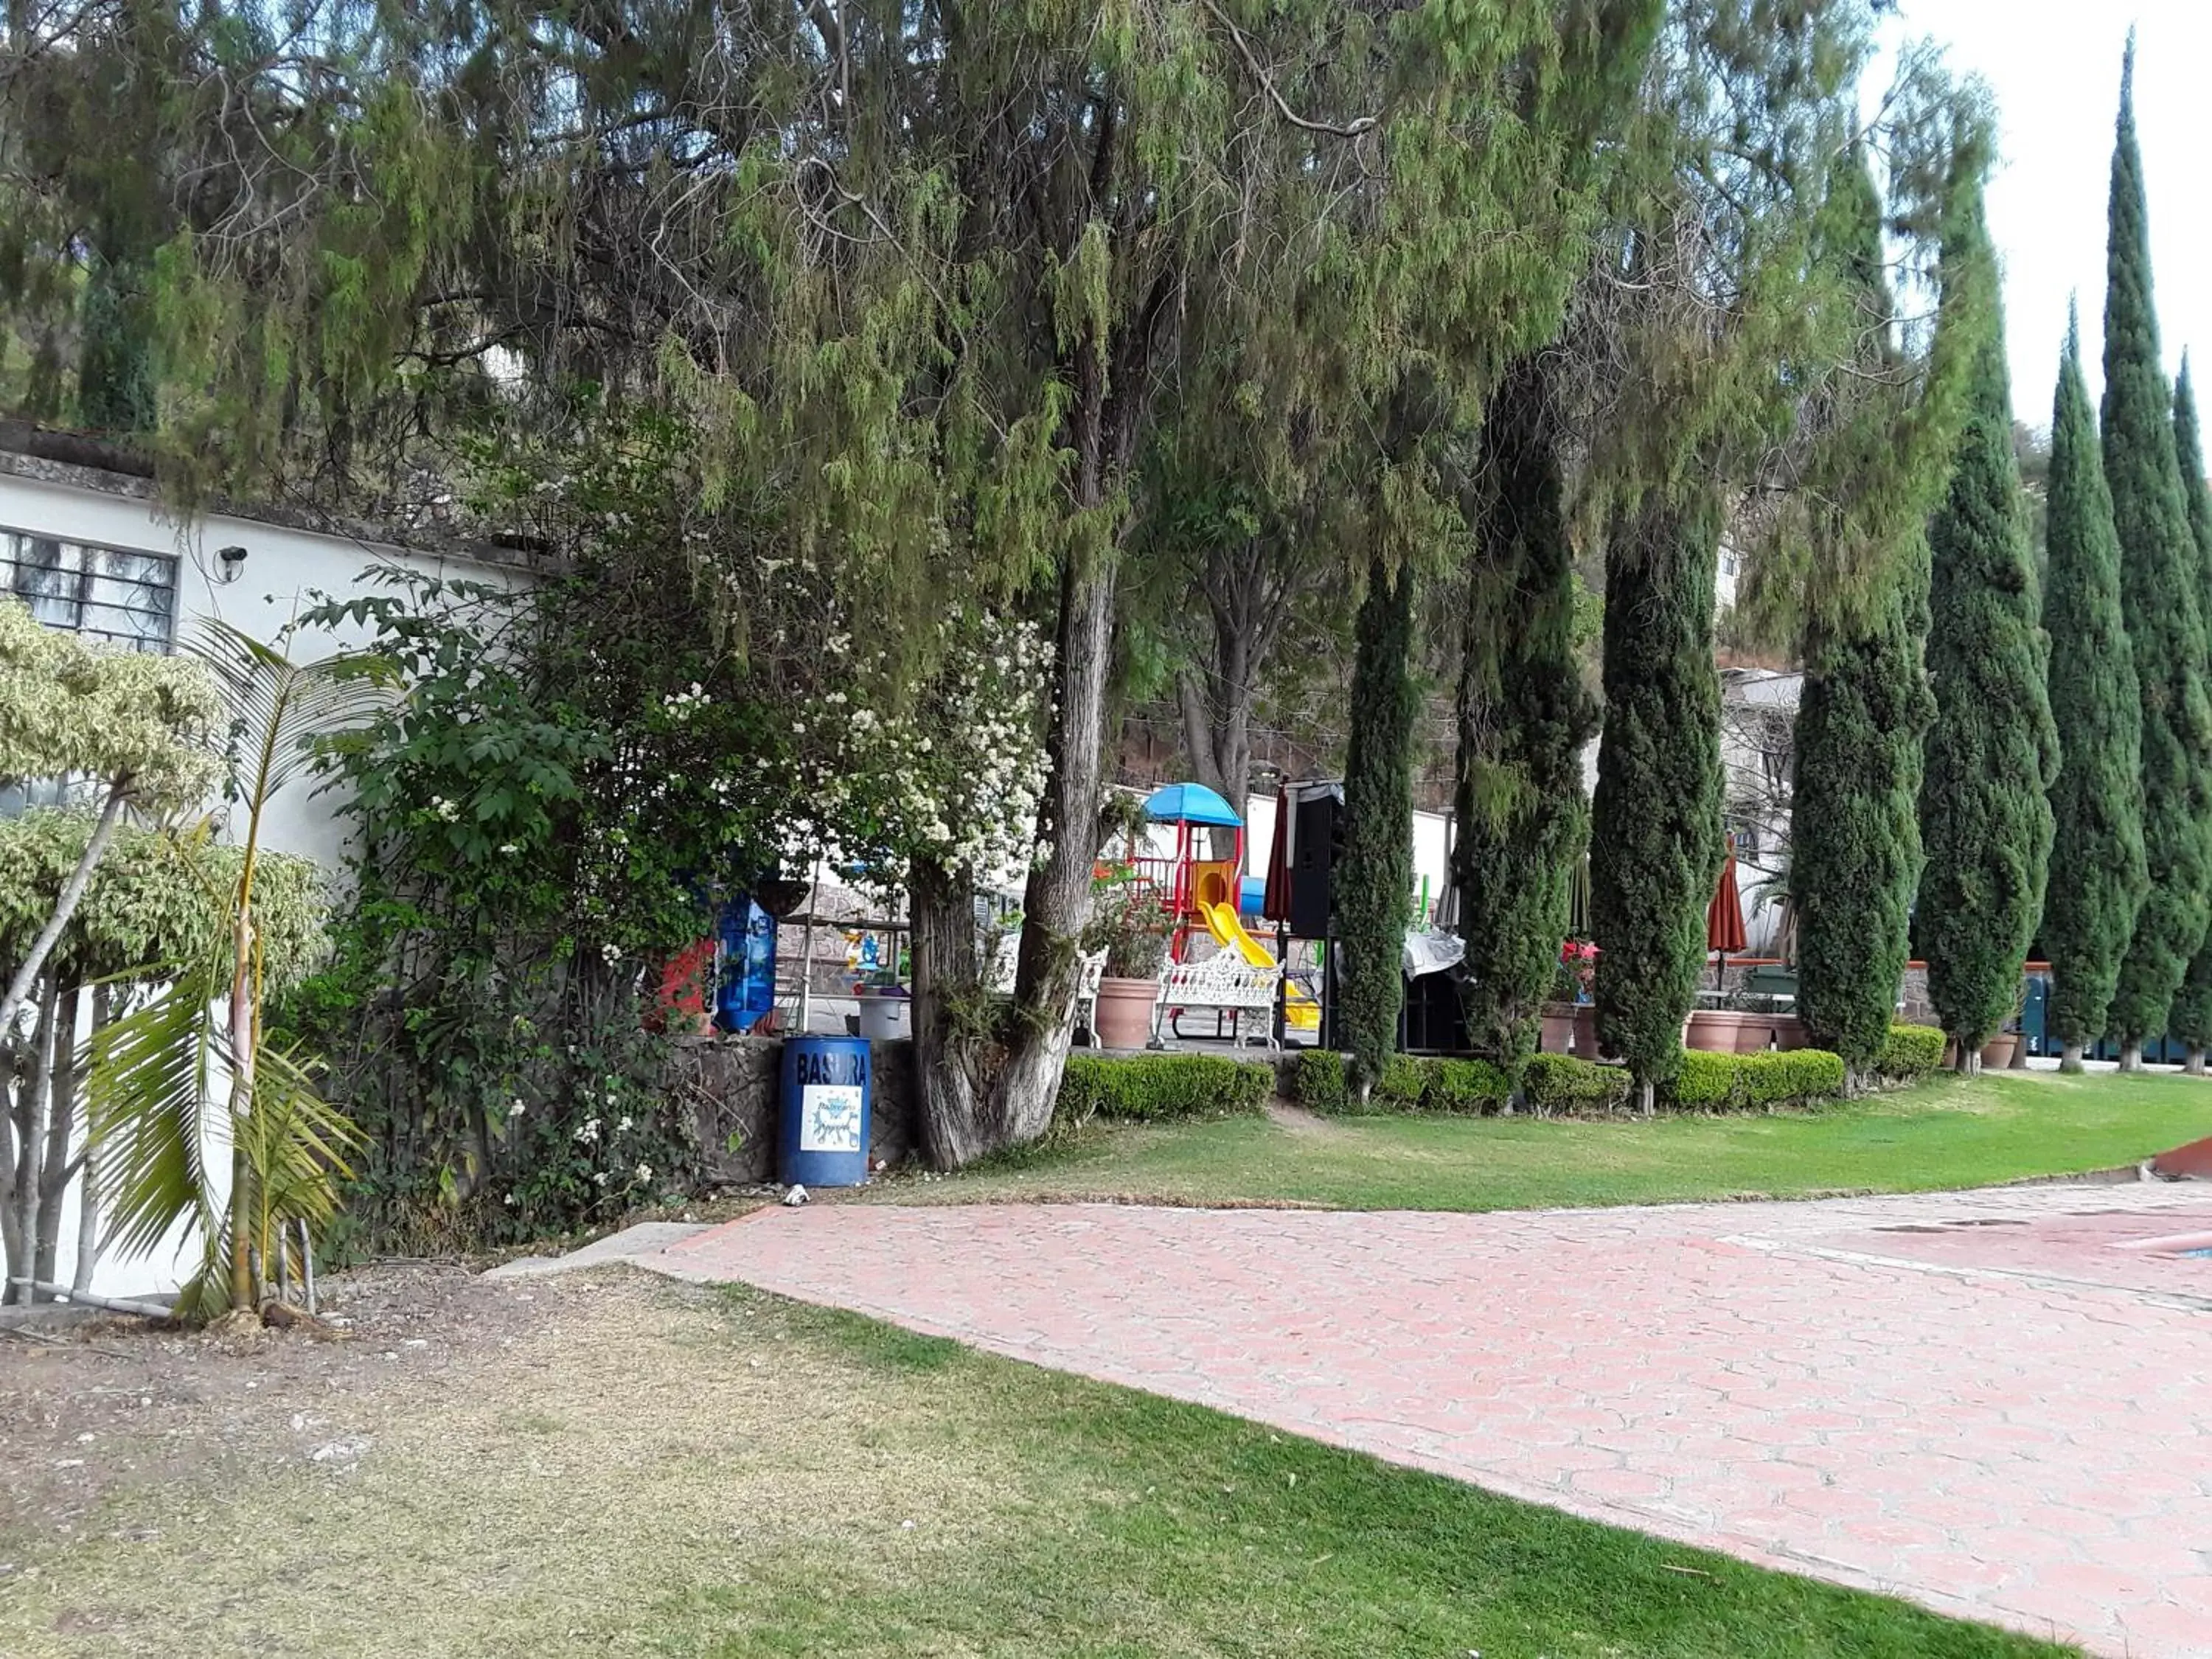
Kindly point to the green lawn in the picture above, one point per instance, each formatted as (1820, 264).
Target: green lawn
(635, 1469)
(1948, 1134)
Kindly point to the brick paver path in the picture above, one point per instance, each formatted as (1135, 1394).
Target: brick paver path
(1988, 1403)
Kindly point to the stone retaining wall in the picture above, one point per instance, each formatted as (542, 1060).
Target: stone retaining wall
(730, 1085)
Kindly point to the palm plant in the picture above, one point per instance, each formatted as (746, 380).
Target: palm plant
(193, 1069)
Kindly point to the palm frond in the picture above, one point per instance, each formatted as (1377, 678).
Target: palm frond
(281, 706)
(151, 1107)
(297, 1145)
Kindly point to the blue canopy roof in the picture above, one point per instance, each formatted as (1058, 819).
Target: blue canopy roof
(1190, 802)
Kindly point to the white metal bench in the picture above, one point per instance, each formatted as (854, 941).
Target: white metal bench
(1223, 985)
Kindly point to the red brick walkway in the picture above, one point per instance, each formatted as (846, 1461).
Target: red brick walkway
(1987, 1403)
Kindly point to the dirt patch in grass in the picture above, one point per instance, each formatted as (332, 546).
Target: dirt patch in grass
(480, 1469)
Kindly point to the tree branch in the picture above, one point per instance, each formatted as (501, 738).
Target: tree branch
(1350, 130)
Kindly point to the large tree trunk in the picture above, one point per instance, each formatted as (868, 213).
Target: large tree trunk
(989, 1083)
(87, 1213)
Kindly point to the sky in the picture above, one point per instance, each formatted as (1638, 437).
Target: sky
(2055, 68)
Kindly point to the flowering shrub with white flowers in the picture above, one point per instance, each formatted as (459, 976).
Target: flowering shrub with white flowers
(954, 775)
(575, 772)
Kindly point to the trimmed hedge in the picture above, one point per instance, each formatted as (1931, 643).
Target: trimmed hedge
(1162, 1088)
(1319, 1084)
(1556, 1083)
(1734, 1083)
(1410, 1084)
(1911, 1051)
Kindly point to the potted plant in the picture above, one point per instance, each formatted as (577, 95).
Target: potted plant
(1128, 925)
(1729, 1029)
(1998, 1052)
(1572, 1011)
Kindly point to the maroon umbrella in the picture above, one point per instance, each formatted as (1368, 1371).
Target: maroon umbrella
(1275, 902)
(1725, 917)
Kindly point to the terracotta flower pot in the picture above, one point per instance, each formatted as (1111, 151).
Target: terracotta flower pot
(1586, 1032)
(1558, 1025)
(1124, 1017)
(1754, 1033)
(1790, 1032)
(1996, 1053)
(1719, 1030)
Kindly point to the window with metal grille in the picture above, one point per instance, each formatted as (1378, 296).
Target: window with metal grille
(123, 599)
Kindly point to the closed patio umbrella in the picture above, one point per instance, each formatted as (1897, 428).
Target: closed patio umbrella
(1725, 917)
(1275, 901)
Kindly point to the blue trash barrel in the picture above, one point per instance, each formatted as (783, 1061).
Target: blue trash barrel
(823, 1138)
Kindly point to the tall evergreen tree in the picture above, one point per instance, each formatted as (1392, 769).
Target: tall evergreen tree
(2166, 625)
(2089, 914)
(1519, 816)
(1855, 832)
(1854, 847)
(1656, 833)
(1375, 884)
(1984, 810)
(2191, 1020)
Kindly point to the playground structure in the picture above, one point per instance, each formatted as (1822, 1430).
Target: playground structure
(1203, 888)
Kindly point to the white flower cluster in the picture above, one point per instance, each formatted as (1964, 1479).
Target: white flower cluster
(680, 705)
(955, 778)
(448, 810)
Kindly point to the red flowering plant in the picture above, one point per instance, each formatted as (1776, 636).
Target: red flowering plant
(1576, 972)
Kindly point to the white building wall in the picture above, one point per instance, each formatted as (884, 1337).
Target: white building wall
(285, 571)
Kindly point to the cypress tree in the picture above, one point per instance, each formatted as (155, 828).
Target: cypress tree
(2158, 583)
(1374, 885)
(1855, 831)
(1519, 816)
(1984, 813)
(2089, 914)
(2191, 1020)
(1656, 845)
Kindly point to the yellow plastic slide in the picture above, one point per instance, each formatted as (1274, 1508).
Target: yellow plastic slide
(1299, 1009)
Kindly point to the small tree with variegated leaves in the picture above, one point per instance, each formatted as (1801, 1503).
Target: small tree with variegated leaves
(127, 728)
(144, 910)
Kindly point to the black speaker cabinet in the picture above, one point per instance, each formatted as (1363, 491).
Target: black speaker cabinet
(1316, 840)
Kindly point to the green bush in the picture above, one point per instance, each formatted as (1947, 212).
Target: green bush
(1162, 1088)
(1911, 1051)
(1404, 1082)
(1706, 1082)
(1464, 1086)
(1557, 1083)
(1319, 1086)
(1410, 1084)
(1790, 1074)
(1726, 1082)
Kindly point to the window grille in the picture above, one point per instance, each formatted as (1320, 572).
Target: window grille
(122, 599)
